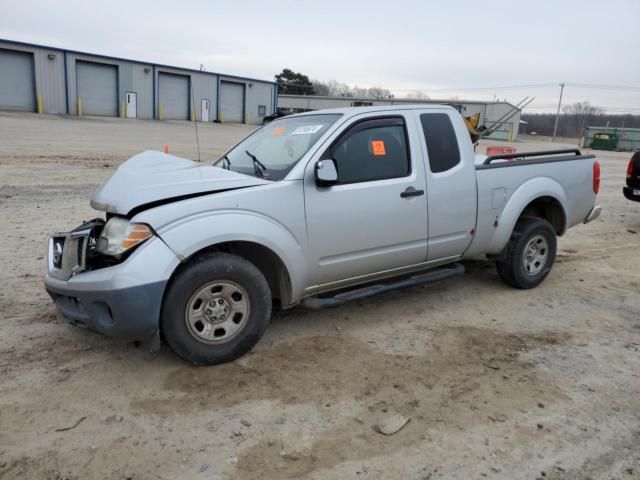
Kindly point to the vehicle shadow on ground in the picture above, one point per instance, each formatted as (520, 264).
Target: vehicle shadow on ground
(479, 274)
(72, 342)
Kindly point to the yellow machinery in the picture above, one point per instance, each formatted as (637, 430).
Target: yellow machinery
(472, 125)
(478, 131)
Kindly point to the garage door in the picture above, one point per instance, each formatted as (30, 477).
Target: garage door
(97, 88)
(17, 89)
(232, 102)
(173, 92)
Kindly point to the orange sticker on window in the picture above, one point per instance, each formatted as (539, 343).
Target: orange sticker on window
(278, 131)
(378, 148)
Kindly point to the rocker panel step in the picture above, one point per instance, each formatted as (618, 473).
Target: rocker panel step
(453, 270)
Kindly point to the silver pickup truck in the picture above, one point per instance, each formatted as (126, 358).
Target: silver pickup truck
(317, 208)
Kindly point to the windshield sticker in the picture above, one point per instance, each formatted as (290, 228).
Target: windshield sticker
(278, 131)
(377, 146)
(306, 130)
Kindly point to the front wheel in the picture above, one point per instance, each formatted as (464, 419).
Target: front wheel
(216, 309)
(529, 254)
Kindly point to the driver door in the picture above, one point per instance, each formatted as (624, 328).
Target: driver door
(375, 218)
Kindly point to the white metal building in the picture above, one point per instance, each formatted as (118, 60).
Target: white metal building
(43, 79)
(490, 112)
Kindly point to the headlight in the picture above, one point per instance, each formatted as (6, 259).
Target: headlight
(119, 235)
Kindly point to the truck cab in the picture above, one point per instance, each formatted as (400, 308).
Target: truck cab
(384, 210)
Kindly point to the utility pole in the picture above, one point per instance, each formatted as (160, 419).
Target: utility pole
(555, 127)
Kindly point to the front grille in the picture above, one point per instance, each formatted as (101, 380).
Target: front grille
(68, 252)
(57, 249)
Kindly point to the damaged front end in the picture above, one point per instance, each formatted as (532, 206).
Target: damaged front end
(110, 281)
(74, 252)
(94, 245)
(110, 275)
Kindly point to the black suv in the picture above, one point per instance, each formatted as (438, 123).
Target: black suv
(632, 190)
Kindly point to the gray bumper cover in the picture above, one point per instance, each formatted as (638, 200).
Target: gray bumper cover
(120, 301)
(131, 313)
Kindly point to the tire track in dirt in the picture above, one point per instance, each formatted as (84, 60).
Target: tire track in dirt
(472, 376)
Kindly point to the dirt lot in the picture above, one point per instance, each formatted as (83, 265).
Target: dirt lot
(498, 383)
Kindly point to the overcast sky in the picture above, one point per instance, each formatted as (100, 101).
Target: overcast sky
(400, 44)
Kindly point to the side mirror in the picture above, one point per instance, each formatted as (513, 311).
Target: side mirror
(326, 172)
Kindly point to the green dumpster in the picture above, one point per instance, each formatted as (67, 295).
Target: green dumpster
(604, 141)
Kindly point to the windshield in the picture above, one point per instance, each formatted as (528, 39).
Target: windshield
(274, 149)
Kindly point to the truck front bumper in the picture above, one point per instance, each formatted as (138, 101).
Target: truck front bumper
(121, 301)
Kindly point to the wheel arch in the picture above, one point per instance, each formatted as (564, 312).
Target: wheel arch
(263, 258)
(540, 197)
(266, 243)
(548, 208)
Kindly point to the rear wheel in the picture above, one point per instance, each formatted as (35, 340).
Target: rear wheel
(530, 253)
(216, 309)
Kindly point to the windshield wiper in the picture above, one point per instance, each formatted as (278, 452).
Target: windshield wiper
(226, 163)
(258, 166)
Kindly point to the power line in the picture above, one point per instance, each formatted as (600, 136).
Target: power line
(577, 85)
(619, 109)
(472, 89)
(503, 87)
(604, 87)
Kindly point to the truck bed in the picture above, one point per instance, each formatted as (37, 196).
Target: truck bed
(508, 181)
(531, 158)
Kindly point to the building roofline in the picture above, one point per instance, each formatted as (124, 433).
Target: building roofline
(398, 100)
(352, 111)
(123, 59)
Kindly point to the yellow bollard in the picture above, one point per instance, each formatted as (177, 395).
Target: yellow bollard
(40, 110)
(121, 109)
(221, 117)
(161, 112)
(193, 114)
(247, 118)
(79, 107)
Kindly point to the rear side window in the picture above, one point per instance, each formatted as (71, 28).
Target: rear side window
(372, 150)
(441, 140)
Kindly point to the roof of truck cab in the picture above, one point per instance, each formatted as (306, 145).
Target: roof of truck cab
(380, 108)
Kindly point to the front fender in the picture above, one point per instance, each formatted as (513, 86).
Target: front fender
(525, 194)
(191, 234)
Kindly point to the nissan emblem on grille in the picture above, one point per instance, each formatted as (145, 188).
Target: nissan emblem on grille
(57, 254)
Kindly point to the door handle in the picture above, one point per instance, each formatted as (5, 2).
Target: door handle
(411, 192)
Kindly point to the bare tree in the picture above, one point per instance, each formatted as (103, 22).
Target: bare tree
(542, 123)
(378, 93)
(359, 92)
(339, 89)
(417, 95)
(335, 88)
(320, 88)
(579, 114)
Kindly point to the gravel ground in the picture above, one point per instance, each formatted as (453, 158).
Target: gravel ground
(497, 383)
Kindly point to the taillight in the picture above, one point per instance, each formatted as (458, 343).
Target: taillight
(596, 177)
(630, 168)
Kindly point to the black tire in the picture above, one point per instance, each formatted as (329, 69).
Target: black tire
(512, 267)
(202, 271)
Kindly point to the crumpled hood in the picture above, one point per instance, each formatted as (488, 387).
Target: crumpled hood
(152, 176)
